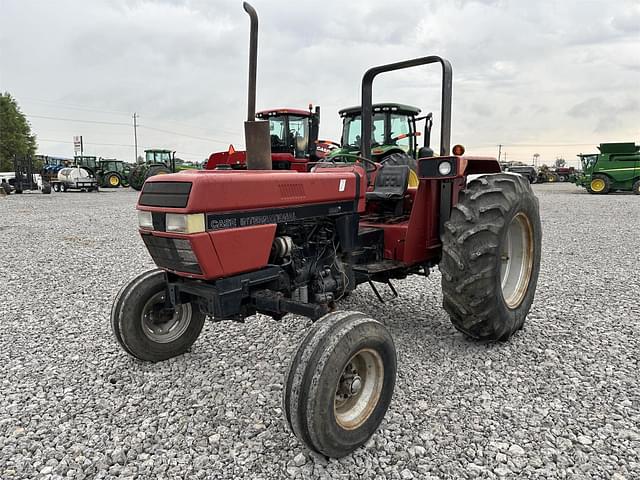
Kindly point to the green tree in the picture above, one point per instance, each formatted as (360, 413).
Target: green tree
(15, 133)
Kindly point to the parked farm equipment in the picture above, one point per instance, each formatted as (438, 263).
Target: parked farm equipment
(26, 177)
(394, 139)
(230, 244)
(616, 167)
(293, 136)
(157, 162)
(109, 172)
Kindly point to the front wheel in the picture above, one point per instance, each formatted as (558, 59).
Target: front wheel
(491, 256)
(145, 328)
(340, 383)
(636, 188)
(600, 184)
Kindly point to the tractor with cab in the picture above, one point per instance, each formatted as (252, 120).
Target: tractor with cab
(394, 136)
(229, 244)
(156, 162)
(293, 136)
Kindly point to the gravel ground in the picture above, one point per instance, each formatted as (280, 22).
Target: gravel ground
(559, 400)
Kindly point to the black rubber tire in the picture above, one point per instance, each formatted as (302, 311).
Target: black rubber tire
(312, 379)
(56, 187)
(64, 187)
(562, 178)
(6, 187)
(46, 188)
(636, 187)
(157, 170)
(126, 320)
(18, 191)
(472, 243)
(607, 184)
(400, 158)
(137, 177)
(107, 181)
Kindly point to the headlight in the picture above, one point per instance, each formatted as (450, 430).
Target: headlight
(185, 223)
(444, 168)
(144, 220)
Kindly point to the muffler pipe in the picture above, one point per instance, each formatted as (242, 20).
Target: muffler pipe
(256, 132)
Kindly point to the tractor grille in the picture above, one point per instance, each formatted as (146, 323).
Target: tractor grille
(165, 194)
(172, 253)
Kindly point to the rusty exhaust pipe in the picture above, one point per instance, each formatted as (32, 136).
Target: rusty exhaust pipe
(256, 132)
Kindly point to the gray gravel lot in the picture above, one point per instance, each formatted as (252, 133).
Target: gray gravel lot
(559, 400)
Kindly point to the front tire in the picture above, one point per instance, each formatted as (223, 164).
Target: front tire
(491, 257)
(340, 383)
(636, 188)
(144, 328)
(599, 184)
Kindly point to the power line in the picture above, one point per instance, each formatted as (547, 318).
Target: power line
(76, 120)
(74, 107)
(185, 135)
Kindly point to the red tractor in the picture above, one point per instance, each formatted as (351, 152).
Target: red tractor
(232, 243)
(293, 136)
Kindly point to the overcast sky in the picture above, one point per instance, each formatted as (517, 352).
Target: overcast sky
(552, 77)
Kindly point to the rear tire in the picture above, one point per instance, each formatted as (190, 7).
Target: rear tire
(137, 177)
(491, 256)
(46, 188)
(340, 383)
(401, 158)
(144, 329)
(113, 181)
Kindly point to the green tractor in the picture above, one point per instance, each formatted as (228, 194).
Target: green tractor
(109, 172)
(394, 137)
(616, 167)
(157, 162)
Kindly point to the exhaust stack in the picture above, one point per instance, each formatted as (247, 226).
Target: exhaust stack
(256, 132)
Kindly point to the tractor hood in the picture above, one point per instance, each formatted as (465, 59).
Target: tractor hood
(340, 189)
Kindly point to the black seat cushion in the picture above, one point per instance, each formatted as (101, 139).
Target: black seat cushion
(392, 182)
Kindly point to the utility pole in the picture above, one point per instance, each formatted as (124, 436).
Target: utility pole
(135, 134)
(499, 152)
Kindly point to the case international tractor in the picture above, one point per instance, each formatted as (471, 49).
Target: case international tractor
(232, 243)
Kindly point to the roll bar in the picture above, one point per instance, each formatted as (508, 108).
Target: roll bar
(367, 109)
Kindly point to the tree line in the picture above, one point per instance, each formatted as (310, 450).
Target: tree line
(16, 137)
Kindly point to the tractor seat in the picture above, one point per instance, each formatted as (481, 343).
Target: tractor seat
(392, 182)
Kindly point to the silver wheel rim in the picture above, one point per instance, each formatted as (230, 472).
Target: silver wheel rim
(516, 260)
(161, 328)
(358, 389)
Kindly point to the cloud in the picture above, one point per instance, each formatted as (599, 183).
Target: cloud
(534, 71)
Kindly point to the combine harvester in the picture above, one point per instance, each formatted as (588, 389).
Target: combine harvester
(616, 167)
(233, 243)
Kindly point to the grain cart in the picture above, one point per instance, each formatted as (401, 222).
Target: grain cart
(293, 136)
(156, 162)
(232, 243)
(616, 167)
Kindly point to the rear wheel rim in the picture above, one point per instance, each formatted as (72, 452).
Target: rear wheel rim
(113, 180)
(359, 388)
(163, 327)
(516, 260)
(597, 185)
